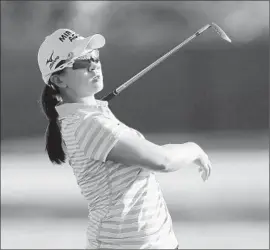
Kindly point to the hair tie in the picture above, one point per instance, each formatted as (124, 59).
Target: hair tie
(58, 98)
(52, 119)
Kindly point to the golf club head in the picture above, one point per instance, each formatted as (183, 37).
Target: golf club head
(221, 33)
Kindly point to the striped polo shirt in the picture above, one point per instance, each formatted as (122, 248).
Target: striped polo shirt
(126, 206)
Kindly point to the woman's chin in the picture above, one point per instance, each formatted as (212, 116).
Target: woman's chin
(97, 84)
(94, 88)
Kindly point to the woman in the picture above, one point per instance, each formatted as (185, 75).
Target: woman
(114, 164)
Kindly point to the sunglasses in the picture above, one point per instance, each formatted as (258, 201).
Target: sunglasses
(82, 62)
(86, 60)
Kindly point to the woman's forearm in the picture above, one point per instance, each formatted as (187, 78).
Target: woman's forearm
(181, 155)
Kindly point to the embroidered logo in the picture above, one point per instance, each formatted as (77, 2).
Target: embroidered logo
(52, 61)
(67, 34)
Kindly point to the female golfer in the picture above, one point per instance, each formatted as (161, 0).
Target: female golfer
(114, 164)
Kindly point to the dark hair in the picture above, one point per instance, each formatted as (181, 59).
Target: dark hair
(49, 99)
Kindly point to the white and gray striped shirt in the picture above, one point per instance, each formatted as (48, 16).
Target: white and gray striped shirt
(126, 206)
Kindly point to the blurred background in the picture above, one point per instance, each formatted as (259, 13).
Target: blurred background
(210, 92)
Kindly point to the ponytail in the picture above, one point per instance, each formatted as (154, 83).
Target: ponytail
(49, 99)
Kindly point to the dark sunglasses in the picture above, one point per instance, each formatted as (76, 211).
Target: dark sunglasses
(86, 60)
(81, 62)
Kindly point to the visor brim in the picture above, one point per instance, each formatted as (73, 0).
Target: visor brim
(87, 44)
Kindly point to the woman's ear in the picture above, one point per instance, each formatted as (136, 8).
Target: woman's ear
(57, 81)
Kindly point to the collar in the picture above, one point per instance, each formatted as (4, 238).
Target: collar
(66, 109)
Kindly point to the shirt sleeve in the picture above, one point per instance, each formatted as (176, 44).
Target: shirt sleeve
(97, 135)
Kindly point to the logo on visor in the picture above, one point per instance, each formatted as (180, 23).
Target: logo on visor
(52, 61)
(67, 34)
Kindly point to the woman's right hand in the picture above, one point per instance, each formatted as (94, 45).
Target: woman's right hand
(204, 163)
(191, 153)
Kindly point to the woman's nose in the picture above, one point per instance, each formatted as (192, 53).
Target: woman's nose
(94, 66)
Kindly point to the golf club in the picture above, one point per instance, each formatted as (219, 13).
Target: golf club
(119, 89)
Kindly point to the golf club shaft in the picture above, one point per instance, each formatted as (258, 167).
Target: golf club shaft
(118, 90)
